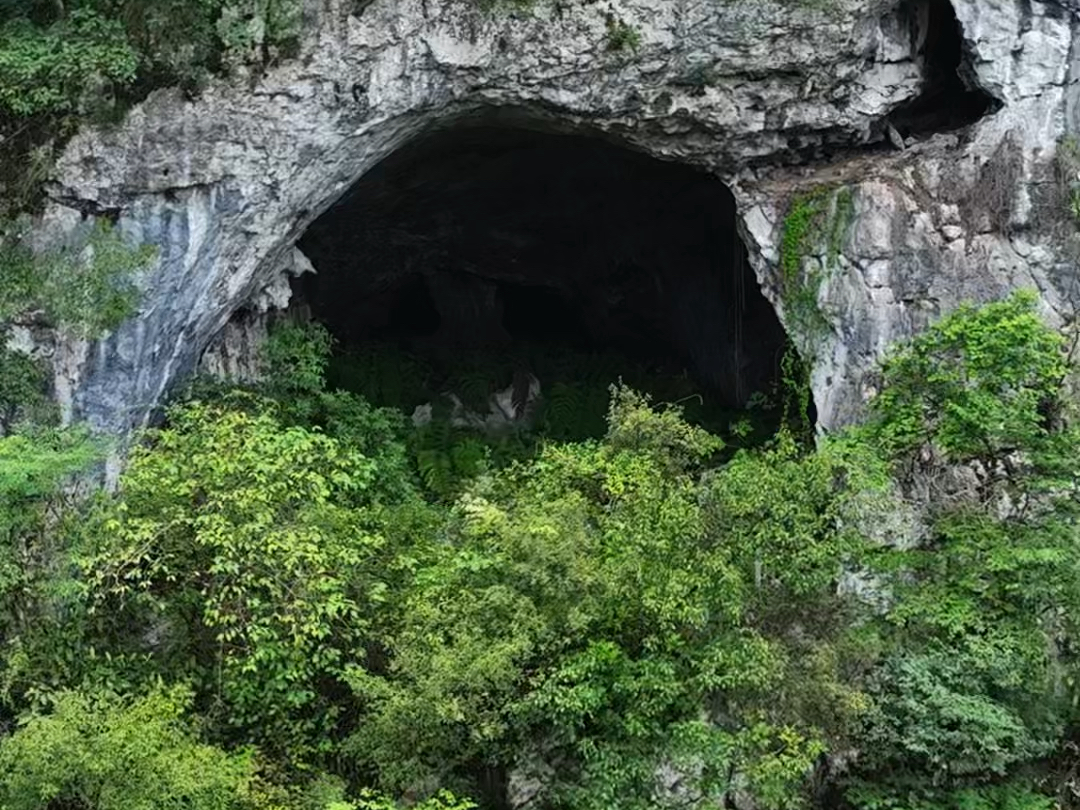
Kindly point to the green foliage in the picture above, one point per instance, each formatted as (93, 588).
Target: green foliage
(1067, 165)
(248, 29)
(443, 800)
(573, 405)
(449, 458)
(383, 608)
(981, 384)
(56, 67)
(816, 224)
(49, 70)
(34, 467)
(248, 536)
(953, 715)
(971, 686)
(42, 481)
(796, 394)
(23, 386)
(816, 221)
(66, 62)
(621, 35)
(296, 357)
(589, 604)
(33, 464)
(109, 754)
(1011, 795)
(86, 286)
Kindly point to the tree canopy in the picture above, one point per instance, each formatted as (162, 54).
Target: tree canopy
(274, 610)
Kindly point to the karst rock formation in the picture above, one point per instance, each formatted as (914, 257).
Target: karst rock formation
(944, 121)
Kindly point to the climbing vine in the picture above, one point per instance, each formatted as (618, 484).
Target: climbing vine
(816, 222)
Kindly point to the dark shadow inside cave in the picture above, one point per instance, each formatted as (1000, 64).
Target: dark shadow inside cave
(950, 99)
(481, 240)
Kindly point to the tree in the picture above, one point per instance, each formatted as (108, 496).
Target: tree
(593, 618)
(246, 543)
(982, 615)
(104, 753)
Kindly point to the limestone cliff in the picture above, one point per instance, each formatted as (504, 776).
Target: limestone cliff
(942, 119)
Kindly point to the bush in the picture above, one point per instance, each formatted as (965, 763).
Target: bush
(247, 540)
(980, 612)
(589, 604)
(103, 753)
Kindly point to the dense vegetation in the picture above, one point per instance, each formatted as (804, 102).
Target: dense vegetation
(275, 611)
(65, 62)
(297, 600)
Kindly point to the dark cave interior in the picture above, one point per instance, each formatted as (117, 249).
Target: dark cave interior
(486, 239)
(949, 99)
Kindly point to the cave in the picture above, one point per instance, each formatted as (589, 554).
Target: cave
(950, 99)
(482, 238)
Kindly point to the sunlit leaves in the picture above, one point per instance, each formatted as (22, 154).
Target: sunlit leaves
(970, 685)
(110, 754)
(976, 385)
(257, 526)
(46, 70)
(592, 604)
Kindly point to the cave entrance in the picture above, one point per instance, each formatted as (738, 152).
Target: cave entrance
(950, 98)
(500, 249)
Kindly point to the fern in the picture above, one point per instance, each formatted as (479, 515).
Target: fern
(383, 375)
(468, 457)
(474, 386)
(436, 471)
(573, 407)
(561, 408)
(447, 458)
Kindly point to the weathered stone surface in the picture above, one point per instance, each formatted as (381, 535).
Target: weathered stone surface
(772, 97)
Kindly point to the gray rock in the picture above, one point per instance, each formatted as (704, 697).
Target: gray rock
(771, 97)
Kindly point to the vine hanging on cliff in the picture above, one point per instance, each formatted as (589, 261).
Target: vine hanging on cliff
(817, 222)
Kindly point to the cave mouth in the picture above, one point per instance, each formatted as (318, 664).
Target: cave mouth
(950, 98)
(561, 255)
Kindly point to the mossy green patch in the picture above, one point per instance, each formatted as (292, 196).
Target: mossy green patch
(817, 222)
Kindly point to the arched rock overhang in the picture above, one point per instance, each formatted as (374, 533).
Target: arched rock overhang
(770, 97)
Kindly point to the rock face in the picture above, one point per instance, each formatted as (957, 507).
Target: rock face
(773, 98)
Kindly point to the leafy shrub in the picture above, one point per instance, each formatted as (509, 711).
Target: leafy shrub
(1015, 794)
(246, 535)
(48, 70)
(108, 754)
(295, 357)
(978, 385)
(968, 689)
(443, 800)
(23, 389)
(949, 717)
(586, 607)
(87, 285)
(603, 617)
(34, 465)
(65, 63)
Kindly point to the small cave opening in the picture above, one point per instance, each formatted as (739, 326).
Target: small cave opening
(478, 252)
(950, 98)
